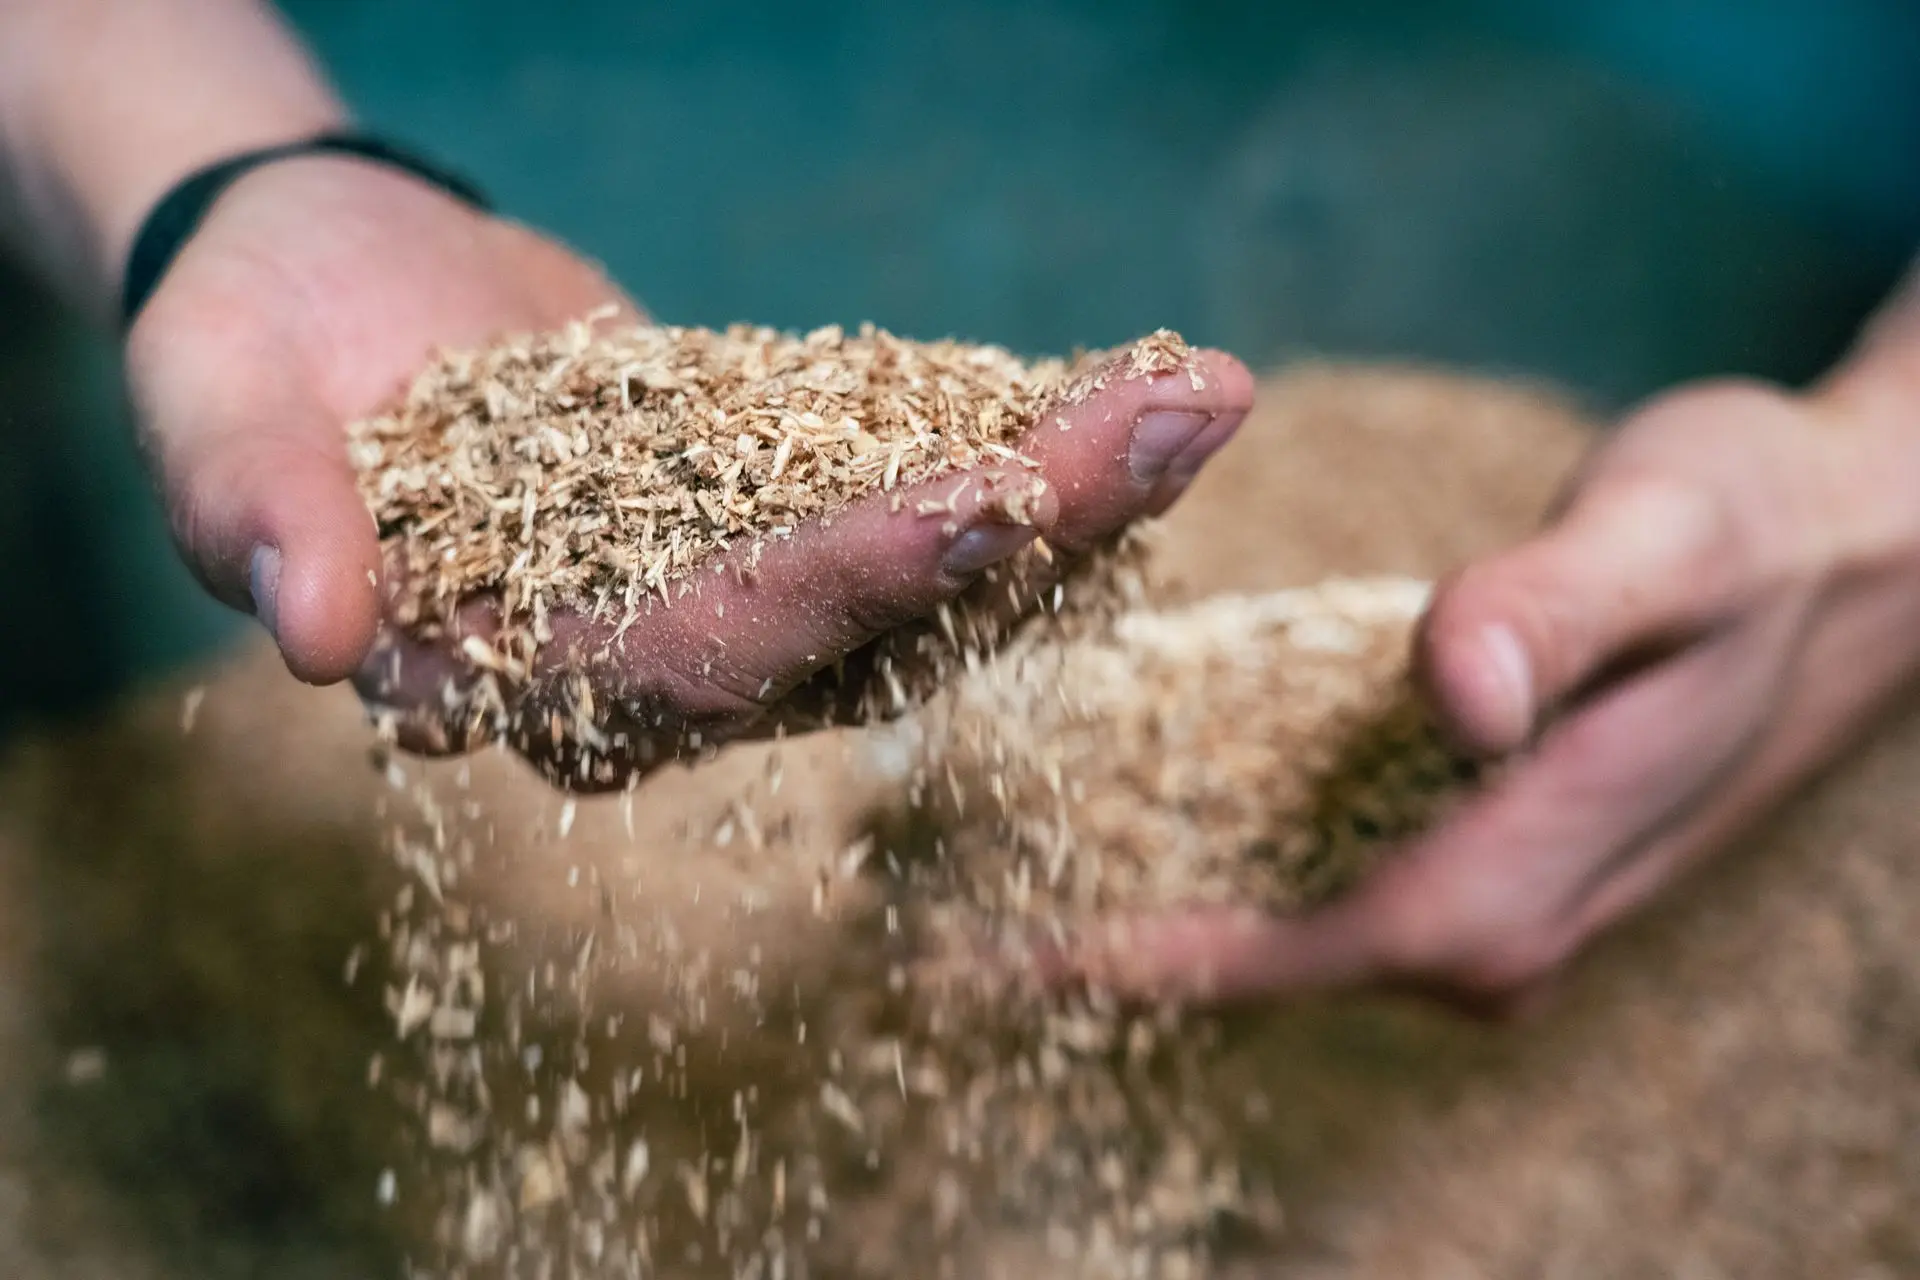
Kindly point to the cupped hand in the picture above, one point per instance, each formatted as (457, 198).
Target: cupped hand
(1726, 595)
(319, 286)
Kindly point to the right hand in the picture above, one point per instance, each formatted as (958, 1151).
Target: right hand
(1726, 598)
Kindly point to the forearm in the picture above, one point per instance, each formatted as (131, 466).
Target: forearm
(105, 104)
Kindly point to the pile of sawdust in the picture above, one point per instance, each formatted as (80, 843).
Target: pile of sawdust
(1250, 749)
(594, 467)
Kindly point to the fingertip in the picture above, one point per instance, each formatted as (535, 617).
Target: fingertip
(1130, 439)
(1212, 384)
(1477, 673)
(320, 603)
(1233, 381)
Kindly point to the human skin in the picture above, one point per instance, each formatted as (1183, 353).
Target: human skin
(316, 287)
(1725, 598)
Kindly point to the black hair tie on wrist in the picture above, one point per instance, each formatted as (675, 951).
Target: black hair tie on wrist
(179, 213)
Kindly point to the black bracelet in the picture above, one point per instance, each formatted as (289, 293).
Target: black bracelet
(179, 213)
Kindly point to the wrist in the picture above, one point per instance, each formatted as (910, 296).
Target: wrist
(165, 232)
(109, 103)
(113, 201)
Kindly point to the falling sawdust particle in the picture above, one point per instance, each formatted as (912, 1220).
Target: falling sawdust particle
(940, 1108)
(190, 708)
(1261, 750)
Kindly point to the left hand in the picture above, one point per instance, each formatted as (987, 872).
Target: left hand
(1730, 590)
(315, 289)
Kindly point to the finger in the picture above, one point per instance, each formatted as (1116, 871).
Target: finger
(761, 618)
(703, 663)
(1218, 958)
(268, 515)
(901, 667)
(1215, 956)
(1632, 567)
(714, 653)
(427, 697)
(1491, 902)
(1816, 722)
(1128, 448)
(1127, 444)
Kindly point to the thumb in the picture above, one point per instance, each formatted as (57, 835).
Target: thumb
(1634, 564)
(272, 522)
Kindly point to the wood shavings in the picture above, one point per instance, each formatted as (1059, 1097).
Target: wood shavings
(1250, 749)
(598, 466)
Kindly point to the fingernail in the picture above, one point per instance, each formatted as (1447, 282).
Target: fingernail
(1513, 677)
(1159, 438)
(983, 545)
(1187, 463)
(1185, 469)
(263, 581)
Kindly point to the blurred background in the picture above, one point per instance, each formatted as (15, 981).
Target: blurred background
(1611, 195)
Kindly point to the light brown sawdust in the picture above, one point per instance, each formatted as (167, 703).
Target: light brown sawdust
(597, 467)
(1087, 770)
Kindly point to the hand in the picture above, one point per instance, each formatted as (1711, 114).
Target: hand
(1728, 593)
(318, 287)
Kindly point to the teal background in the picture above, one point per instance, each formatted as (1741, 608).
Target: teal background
(1614, 195)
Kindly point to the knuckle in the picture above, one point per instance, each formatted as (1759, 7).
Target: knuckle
(211, 489)
(1695, 529)
(1681, 510)
(199, 503)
